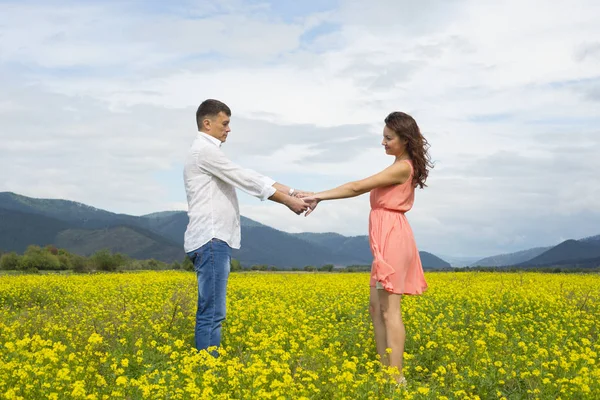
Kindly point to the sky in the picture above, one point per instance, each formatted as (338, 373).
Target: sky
(98, 101)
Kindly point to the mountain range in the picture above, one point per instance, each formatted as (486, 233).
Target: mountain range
(569, 253)
(83, 230)
(511, 258)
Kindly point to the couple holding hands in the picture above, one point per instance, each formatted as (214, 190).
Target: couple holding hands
(210, 180)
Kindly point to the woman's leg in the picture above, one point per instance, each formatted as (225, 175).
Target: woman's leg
(378, 325)
(394, 328)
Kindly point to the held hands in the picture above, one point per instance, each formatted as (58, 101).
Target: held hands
(297, 205)
(309, 199)
(302, 201)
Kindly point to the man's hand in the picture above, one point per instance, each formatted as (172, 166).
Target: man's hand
(297, 205)
(312, 203)
(308, 199)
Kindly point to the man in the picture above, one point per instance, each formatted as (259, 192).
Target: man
(210, 180)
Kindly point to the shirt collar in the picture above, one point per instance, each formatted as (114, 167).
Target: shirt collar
(213, 140)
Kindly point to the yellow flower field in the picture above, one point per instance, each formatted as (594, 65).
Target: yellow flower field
(297, 336)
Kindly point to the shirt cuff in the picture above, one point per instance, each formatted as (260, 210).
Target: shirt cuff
(267, 192)
(268, 181)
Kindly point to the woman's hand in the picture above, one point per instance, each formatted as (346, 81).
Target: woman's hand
(312, 204)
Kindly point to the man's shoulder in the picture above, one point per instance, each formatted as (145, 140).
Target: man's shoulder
(201, 146)
(204, 153)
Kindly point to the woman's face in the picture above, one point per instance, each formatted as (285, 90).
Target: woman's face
(394, 146)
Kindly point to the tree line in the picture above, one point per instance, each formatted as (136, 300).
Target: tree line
(555, 269)
(50, 258)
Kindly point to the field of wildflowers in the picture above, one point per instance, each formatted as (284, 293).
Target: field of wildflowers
(295, 336)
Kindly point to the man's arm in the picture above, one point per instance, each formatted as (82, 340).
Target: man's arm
(216, 163)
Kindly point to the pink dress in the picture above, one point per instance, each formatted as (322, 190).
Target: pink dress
(396, 262)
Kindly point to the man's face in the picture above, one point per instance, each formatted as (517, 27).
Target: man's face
(218, 126)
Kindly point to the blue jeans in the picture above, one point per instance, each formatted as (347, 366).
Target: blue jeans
(212, 263)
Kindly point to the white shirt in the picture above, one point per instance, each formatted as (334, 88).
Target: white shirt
(210, 180)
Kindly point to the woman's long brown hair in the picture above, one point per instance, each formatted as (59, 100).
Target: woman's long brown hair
(417, 146)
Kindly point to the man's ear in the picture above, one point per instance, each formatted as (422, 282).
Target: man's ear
(206, 123)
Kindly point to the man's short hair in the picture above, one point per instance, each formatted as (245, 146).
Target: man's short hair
(211, 108)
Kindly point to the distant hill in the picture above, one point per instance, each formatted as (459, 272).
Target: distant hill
(570, 253)
(80, 229)
(265, 245)
(169, 224)
(431, 261)
(567, 252)
(354, 247)
(511, 258)
(19, 229)
(132, 241)
(458, 261)
(69, 211)
(83, 230)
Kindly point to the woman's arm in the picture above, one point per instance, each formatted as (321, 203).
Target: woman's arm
(397, 173)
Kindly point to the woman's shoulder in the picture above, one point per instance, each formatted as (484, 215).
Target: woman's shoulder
(403, 168)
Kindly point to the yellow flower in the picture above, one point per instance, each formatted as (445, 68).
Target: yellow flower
(78, 389)
(95, 339)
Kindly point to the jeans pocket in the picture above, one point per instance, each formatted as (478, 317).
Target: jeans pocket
(195, 257)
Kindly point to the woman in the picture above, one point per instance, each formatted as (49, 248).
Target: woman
(396, 268)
